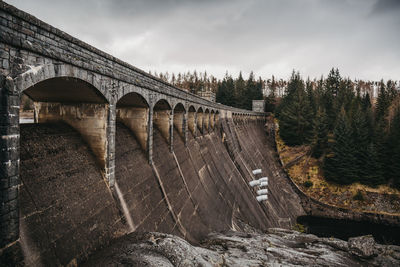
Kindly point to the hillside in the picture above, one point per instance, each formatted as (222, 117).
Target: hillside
(307, 173)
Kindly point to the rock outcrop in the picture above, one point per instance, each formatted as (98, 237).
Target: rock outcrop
(277, 247)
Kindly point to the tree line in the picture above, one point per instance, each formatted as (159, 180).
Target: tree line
(192, 82)
(356, 139)
(236, 92)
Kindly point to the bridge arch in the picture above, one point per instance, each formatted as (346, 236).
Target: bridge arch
(65, 89)
(132, 110)
(180, 120)
(72, 100)
(161, 119)
(36, 74)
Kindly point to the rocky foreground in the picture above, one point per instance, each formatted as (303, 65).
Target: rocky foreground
(278, 247)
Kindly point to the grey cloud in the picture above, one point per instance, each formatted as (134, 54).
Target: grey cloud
(269, 37)
(384, 6)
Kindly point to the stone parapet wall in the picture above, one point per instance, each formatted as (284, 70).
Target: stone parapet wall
(41, 43)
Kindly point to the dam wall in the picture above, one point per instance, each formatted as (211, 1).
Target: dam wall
(68, 211)
(115, 150)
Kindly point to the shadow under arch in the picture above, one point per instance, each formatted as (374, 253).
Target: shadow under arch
(77, 103)
(206, 120)
(216, 118)
(179, 119)
(133, 112)
(200, 116)
(212, 119)
(65, 90)
(192, 120)
(161, 114)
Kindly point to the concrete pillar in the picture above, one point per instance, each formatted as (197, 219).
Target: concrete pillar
(171, 130)
(150, 136)
(110, 134)
(185, 127)
(9, 161)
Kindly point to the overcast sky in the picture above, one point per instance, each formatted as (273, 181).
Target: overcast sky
(360, 37)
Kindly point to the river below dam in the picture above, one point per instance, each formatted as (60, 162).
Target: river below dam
(345, 229)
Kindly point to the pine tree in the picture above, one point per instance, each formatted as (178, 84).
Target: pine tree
(373, 175)
(332, 85)
(296, 117)
(240, 91)
(345, 97)
(320, 131)
(250, 91)
(382, 102)
(310, 95)
(393, 149)
(270, 100)
(361, 141)
(339, 164)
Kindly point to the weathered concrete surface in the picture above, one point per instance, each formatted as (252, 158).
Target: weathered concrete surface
(90, 120)
(206, 120)
(161, 121)
(139, 186)
(66, 207)
(198, 188)
(277, 247)
(199, 118)
(180, 122)
(135, 118)
(251, 148)
(192, 120)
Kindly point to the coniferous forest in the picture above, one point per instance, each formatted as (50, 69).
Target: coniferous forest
(356, 137)
(229, 91)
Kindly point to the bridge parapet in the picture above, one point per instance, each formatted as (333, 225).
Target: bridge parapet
(31, 45)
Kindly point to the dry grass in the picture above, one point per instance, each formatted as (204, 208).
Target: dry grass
(381, 199)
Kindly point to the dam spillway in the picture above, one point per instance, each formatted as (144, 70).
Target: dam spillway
(68, 211)
(65, 206)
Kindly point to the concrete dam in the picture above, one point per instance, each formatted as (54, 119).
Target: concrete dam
(114, 150)
(67, 210)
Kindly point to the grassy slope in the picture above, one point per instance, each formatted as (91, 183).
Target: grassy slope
(382, 199)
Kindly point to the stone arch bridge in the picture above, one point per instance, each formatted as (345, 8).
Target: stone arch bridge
(91, 91)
